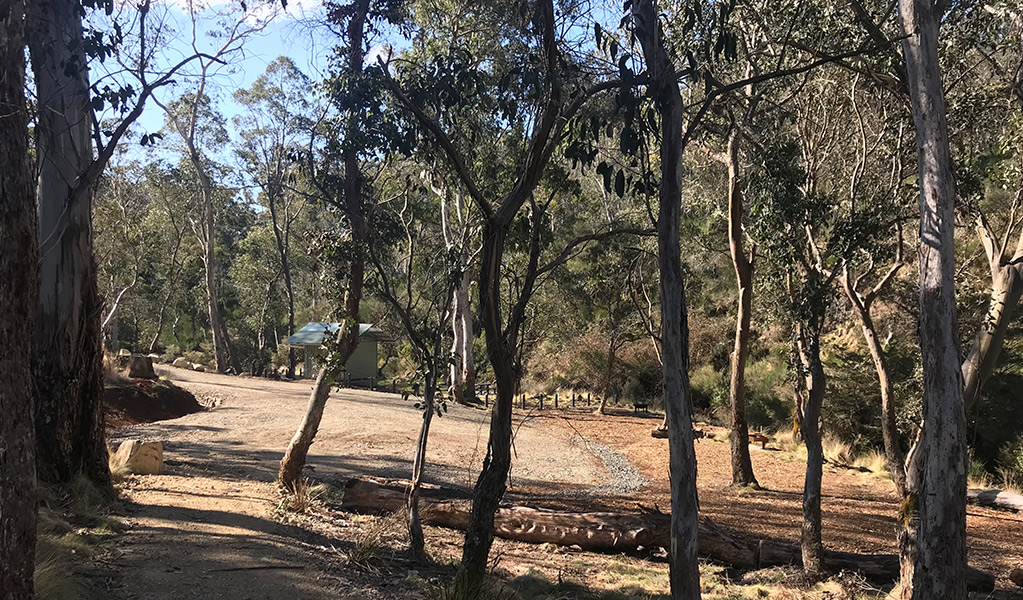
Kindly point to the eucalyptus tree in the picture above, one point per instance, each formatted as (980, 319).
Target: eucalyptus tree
(987, 46)
(350, 131)
(201, 130)
(74, 143)
(192, 118)
(417, 271)
(273, 129)
(458, 229)
(527, 108)
(933, 544)
(19, 273)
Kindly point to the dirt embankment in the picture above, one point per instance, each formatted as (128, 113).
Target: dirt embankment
(135, 401)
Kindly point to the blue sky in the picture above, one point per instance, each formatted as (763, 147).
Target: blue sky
(293, 33)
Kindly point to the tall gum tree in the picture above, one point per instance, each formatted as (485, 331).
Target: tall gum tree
(18, 272)
(554, 111)
(663, 89)
(933, 544)
(185, 119)
(68, 372)
(351, 200)
(277, 118)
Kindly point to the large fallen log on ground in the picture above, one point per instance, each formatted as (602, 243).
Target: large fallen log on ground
(616, 531)
(995, 499)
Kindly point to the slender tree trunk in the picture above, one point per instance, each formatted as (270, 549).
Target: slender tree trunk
(18, 272)
(282, 250)
(492, 481)
(68, 371)
(742, 466)
(170, 285)
(933, 545)
(463, 370)
(684, 572)
(889, 428)
(810, 540)
(347, 339)
(1007, 287)
(464, 305)
(223, 351)
(417, 542)
(348, 334)
(608, 370)
(463, 375)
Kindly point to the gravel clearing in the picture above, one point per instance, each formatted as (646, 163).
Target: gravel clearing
(623, 478)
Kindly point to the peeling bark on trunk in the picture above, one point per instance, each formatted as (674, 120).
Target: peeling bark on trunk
(18, 293)
(68, 371)
(933, 546)
(1006, 290)
(742, 467)
(684, 572)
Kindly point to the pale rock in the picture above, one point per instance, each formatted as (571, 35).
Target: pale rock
(138, 457)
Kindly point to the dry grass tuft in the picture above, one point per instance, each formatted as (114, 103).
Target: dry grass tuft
(379, 533)
(301, 497)
(838, 452)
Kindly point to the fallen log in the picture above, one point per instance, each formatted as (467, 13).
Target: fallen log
(995, 499)
(616, 531)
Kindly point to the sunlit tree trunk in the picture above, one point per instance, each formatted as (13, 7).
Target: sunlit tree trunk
(889, 428)
(1006, 290)
(933, 543)
(463, 370)
(742, 467)
(18, 293)
(294, 459)
(683, 568)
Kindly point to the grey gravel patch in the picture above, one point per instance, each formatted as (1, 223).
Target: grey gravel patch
(624, 478)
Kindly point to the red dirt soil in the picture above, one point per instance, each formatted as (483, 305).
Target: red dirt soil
(146, 401)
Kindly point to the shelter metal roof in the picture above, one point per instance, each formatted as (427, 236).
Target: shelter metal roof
(313, 334)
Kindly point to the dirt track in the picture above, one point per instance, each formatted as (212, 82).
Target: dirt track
(203, 529)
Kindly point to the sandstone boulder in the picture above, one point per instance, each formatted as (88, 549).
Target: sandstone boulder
(138, 457)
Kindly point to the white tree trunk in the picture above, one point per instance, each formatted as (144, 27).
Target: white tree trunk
(933, 546)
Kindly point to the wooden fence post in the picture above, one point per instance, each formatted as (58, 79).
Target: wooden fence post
(555, 401)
